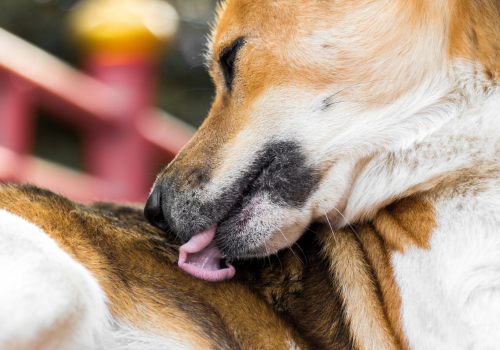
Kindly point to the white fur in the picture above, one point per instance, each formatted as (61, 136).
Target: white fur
(49, 301)
(292, 344)
(126, 337)
(465, 131)
(451, 293)
(43, 289)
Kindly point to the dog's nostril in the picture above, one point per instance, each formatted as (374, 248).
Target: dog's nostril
(153, 210)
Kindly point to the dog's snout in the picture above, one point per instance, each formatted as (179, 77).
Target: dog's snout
(153, 210)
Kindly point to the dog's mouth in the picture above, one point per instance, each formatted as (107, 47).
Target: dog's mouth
(248, 216)
(201, 258)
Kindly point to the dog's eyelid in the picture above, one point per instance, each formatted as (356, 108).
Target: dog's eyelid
(234, 46)
(227, 58)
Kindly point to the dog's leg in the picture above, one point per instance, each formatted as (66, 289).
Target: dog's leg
(48, 301)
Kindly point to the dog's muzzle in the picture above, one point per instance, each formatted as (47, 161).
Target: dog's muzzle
(200, 256)
(233, 223)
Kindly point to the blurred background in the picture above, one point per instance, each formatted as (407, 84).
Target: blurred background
(95, 141)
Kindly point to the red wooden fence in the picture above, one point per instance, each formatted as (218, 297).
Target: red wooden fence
(124, 137)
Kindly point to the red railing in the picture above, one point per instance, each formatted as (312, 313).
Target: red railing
(124, 137)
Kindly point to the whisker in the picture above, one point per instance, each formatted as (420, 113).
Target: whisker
(289, 247)
(353, 85)
(329, 224)
(306, 228)
(349, 87)
(352, 228)
(363, 101)
(268, 256)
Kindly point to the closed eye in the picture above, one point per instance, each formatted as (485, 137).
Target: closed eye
(227, 59)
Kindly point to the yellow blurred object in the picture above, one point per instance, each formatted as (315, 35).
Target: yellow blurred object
(124, 26)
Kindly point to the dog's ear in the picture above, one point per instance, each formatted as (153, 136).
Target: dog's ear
(405, 223)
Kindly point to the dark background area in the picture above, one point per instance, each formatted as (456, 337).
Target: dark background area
(185, 89)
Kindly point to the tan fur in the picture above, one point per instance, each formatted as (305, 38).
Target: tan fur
(406, 223)
(369, 326)
(475, 33)
(379, 258)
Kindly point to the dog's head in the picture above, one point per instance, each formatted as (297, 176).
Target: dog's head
(307, 91)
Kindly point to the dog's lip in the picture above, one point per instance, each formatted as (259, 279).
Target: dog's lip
(200, 258)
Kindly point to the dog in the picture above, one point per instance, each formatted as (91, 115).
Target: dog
(327, 112)
(99, 276)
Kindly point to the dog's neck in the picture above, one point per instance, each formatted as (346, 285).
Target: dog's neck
(464, 144)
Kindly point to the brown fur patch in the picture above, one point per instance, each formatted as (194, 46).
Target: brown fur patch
(408, 222)
(475, 33)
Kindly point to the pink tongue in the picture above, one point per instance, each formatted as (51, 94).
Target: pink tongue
(200, 257)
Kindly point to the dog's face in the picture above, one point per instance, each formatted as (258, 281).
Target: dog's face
(307, 91)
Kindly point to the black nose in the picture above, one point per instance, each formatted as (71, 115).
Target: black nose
(153, 210)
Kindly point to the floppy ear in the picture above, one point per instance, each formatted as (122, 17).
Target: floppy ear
(405, 223)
